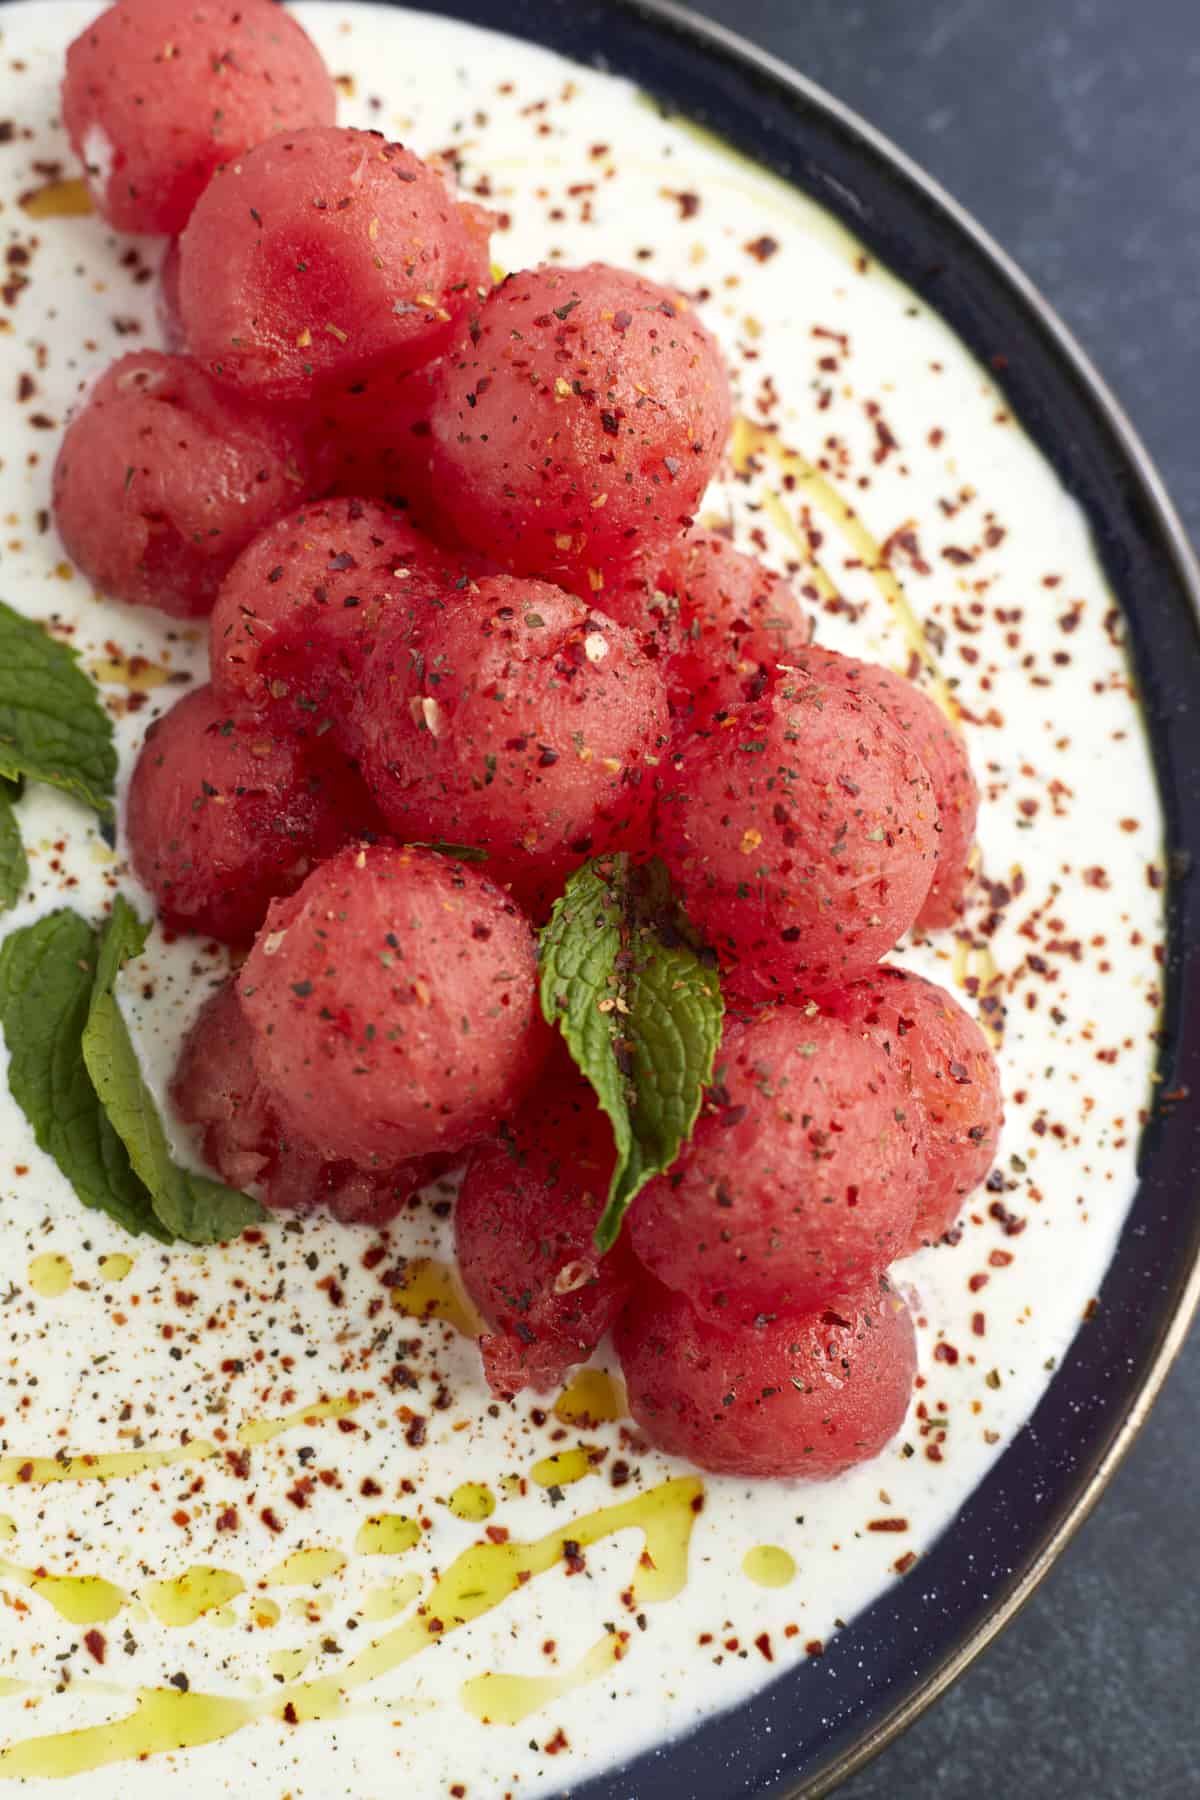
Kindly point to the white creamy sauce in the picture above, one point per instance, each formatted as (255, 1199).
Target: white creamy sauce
(997, 564)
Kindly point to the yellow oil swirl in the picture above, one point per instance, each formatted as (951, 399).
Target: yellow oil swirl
(509, 1699)
(131, 672)
(58, 200)
(390, 1598)
(187, 1597)
(473, 1501)
(113, 1465)
(974, 969)
(304, 1567)
(787, 527)
(289, 1665)
(750, 441)
(387, 1534)
(769, 1566)
(481, 1578)
(261, 1431)
(81, 1599)
(8, 1528)
(565, 1467)
(50, 1275)
(486, 1574)
(432, 1290)
(115, 1267)
(163, 1720)
(594, 1397)
(121, 1465)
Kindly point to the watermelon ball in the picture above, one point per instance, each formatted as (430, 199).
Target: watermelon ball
(513, 718)
(726, 622)
(216, 1091)
(806, 1396)
(529, 1204)
(222, 816)
(297, 615)
(941, 748)
(802, 837)
(577, 424)
(322, 255)
(951, 1075)
(162, 479)
(801, 1178)
(392, 1004)
(375, 431)
(157, 93)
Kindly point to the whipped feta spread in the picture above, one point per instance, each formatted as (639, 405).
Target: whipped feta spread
(262, 1526)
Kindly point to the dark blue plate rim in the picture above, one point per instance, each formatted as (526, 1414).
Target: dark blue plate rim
(806, 1732)
(801, 1736)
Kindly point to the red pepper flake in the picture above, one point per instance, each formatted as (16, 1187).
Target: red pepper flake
(556, 1743)
(96, 1644)
(888, 1525)
(814, 1647)
(270, 1519)
(762, 1644)
(945, 1353)
(688, 203)
(904, 1563)
(762, 249)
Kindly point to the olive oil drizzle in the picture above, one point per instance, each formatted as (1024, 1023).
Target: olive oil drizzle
(480, 1579)
(498, 1699)
(120, 1465)
(431, 1289)
(751, 441)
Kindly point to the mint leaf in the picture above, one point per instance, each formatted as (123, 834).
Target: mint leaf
(46, 973)
(14, 865)
(640, 1012)
(53, 726)
(190, 1206)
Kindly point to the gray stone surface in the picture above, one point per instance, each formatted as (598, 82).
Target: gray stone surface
(1070, 128)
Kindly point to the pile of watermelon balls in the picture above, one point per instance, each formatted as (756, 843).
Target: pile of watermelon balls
(443, 531)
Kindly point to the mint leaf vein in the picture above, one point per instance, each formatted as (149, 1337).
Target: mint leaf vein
(53, 726)
(640, 1012)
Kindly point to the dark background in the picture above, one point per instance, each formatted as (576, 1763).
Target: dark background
(1071, 129)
